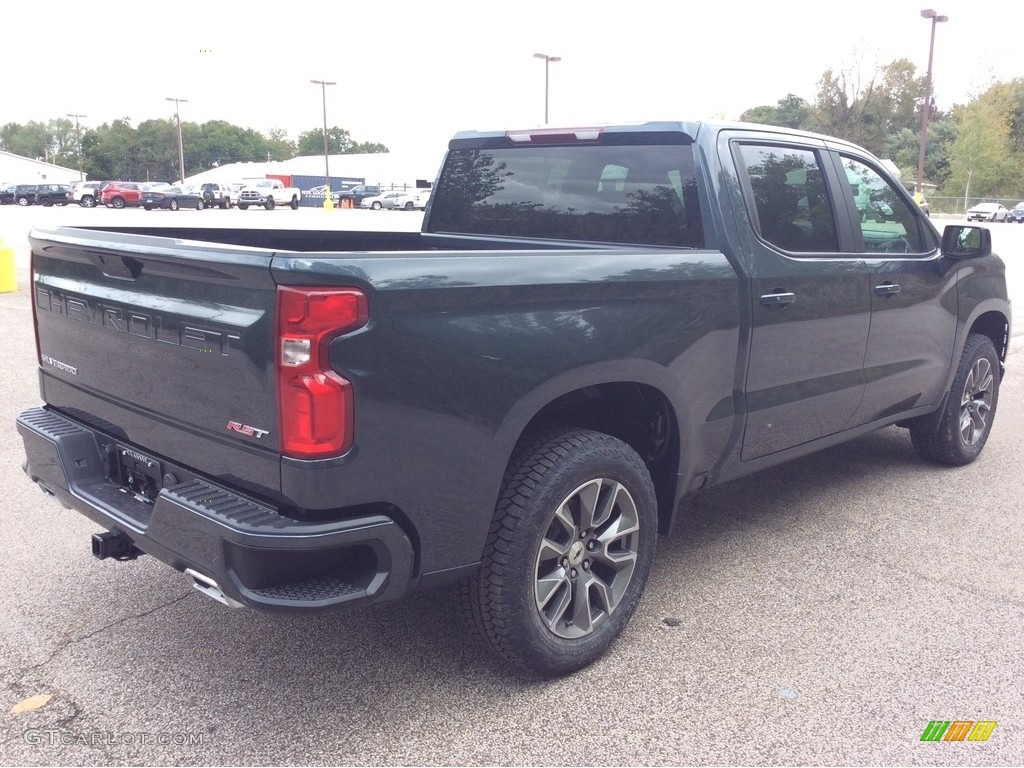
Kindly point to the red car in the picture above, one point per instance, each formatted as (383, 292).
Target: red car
(119, 194)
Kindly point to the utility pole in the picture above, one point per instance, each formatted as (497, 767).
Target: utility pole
(181, 147)
(78, 142)
(328, 194)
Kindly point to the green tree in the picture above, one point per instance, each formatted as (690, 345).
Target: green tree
(982, 160)
(339, 142)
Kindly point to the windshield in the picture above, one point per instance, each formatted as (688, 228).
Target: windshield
(603, 193)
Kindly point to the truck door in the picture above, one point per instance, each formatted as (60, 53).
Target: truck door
(810, 305)
(913, 294)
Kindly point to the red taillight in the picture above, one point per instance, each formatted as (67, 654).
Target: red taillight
(315, 403)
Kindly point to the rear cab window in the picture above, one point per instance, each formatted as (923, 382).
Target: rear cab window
(634, 190)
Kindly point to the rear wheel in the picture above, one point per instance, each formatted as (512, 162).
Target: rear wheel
(148, 207)
(46, 202)
(568, 553)
(200, 205)
(117, 202)
(88, 201)
(22, 201)
(970, 408)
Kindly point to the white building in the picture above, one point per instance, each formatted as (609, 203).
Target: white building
(15, 169)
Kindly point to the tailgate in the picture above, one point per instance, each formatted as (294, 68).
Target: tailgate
(164, 343)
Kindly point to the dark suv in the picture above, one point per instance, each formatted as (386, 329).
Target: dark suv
(357, 193)
(1016, 213)
(25, 194)
(51, 194)
(7, 194)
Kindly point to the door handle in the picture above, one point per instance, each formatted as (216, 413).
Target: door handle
(887, 289)
(777, 299)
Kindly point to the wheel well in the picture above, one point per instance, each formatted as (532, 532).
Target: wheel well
(994, 325)
(639, 415)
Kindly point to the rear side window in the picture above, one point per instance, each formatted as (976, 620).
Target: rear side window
(793, 209)
(645, 195)
(887, 221)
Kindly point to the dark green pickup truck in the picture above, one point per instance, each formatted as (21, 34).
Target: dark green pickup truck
(593, 322)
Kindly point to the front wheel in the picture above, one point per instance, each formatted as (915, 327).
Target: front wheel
(970, 408)
(295, 203)
(243, 206)
(23, 201)
(568, 553)
(375, 205)
(269, 205)
(174, 205)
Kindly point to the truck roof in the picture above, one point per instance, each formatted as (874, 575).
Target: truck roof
(686, 132)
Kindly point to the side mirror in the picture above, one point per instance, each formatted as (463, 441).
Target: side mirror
(966, 242)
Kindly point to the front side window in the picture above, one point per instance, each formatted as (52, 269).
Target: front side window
(793, 209)
(640, 194)
(889, 224)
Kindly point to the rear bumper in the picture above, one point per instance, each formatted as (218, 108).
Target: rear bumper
(256, 556)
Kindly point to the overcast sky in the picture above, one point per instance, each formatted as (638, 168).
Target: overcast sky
(410, 74)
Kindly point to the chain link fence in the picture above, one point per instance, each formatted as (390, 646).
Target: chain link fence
(958, 206)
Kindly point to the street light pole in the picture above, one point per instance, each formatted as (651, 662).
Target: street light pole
(547, 66)
(181, 147)
(926, 109)
(78, 141)
(328, 194)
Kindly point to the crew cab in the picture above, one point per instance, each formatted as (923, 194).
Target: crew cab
(268, 193)
(592, 323)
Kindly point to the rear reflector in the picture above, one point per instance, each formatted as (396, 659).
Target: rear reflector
(315, 403)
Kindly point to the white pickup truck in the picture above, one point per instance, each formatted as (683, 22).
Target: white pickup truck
(268, 193)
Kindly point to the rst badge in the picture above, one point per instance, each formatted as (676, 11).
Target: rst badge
(245, 429)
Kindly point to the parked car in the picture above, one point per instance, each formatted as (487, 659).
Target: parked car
(119, 194)
(84, 193)
(384, 200)
(1016, 213)
(7, 194)
(358, 193)
(413, 200)
(216, 195)
(25, 194)
(172, 198)
(987, 212)
(51, 194)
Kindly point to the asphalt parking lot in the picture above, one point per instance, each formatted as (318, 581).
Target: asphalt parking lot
(822, 612)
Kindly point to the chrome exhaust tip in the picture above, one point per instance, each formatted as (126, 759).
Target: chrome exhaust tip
(211, 588)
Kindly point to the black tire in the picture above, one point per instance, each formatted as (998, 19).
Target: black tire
(545, 558)
(200, 205)
(88, 201)
(173, 205)
(410, 206)
(243, 206)
(23, 201)
(117, 202)
(970, 408)
(224, 204)
(294, 203)
(148, 207)
(269, 205)
(46, 202)
(375, 205)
